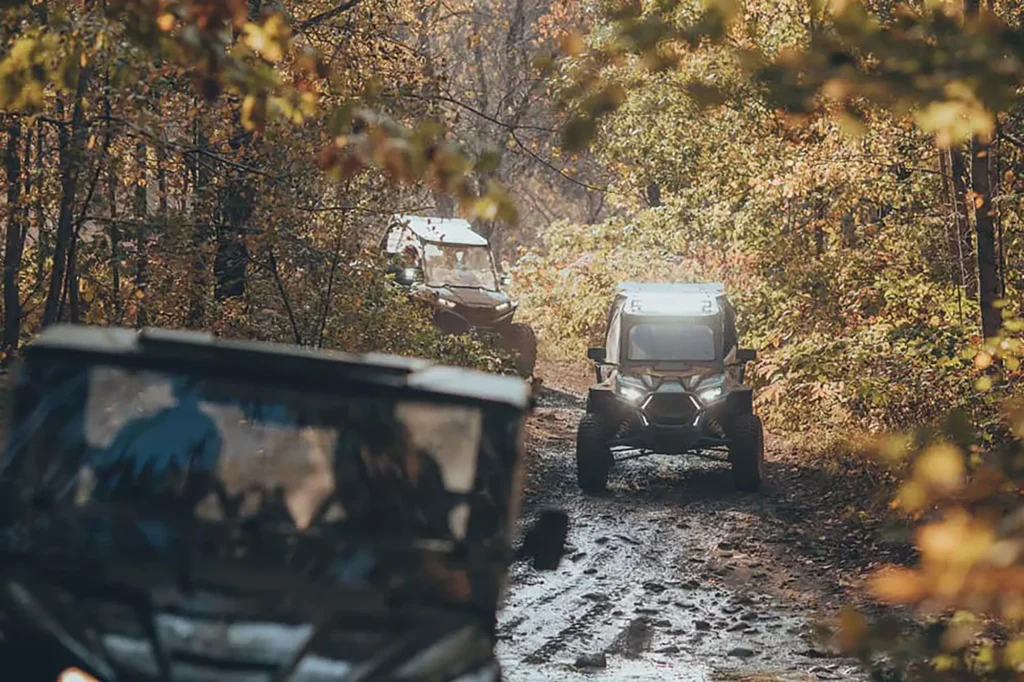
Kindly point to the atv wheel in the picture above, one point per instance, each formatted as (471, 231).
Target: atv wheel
(523, 340)
(593, 458)
(747, 452)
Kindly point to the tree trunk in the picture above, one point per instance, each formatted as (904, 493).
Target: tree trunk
(848, 229)
(984, 222)
(12, 246)
(653, 194)
(984, 225)
(71, 284)
(161, 179)
(70, 147)
(296, 334)
(819, 228)
(952, 225)
(115, 243)
(232, 259)
(996, 175)
(140, 205)
(201, 234)
(42, 240)
(325, 309)
(237, 203)
(965, 243)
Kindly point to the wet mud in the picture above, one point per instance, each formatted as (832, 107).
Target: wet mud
(671, 574)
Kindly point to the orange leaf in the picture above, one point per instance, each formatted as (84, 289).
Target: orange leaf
(898, 586)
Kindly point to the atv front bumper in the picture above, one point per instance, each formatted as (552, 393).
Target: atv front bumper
(674, 434)
(463, 319)
(670, 440)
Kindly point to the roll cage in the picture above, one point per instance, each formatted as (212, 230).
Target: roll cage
(698, 304)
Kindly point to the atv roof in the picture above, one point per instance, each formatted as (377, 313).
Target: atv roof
(671, 299)
(317, 370)
(712, 288)
(442, 230)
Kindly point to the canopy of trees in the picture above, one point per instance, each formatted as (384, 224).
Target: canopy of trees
(204, 164)
(852, 171)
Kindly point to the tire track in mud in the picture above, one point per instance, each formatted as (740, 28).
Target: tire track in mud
(576, 628)
(670, 575)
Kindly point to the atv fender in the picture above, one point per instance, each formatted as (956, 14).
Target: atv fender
(740, 401)
(600, 399)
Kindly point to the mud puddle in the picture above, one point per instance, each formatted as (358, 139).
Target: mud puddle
(670, 575)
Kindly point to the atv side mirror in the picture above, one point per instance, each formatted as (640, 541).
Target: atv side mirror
(505, 280)
(407, 276)
(597, 354)
(544, 542)
(746, 355)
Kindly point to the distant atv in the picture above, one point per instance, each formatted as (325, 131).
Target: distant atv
(448, 265)
(670, 381)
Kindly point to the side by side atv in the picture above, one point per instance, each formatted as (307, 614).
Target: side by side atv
(670, 381)
(180, 508)
(444, 263)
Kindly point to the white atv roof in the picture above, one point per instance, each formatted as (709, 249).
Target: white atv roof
(442, 230)
(671, 299)
(711, 288)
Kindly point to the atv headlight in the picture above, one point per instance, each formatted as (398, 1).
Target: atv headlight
(502, 307)
(631, 393)
(445, 303)
(710, 395)
(75, 675)
(629, 390)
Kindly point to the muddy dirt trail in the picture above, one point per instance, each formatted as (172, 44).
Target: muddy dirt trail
(671, 574)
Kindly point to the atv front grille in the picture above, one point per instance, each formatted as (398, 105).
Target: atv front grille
(671, 409)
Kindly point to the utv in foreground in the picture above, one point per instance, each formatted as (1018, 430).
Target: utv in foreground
(449, 266)
(175, 507)
(669, 381)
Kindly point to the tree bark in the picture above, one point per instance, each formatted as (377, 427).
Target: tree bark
(819, 228)
(952, 228)
(984, 222)
(296, 334)
(115, 243)
(70, 148)
(232, 259)
(140, 206)
(202, 233)
(984, 225)
(12, 245)
(42, 241)
(965, 242)
(161, 180)
(653, 194)
(237, 203)
(996, 175)
(325, 309)
(72, 284)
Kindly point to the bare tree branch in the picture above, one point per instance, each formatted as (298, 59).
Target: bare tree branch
(547, 164)
(326, 15)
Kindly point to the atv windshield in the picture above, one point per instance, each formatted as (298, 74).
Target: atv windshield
(459, 266)
(670, 342)
(175, 450)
